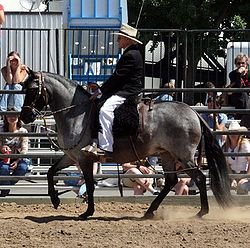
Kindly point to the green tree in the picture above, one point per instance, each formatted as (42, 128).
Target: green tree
(192, 15)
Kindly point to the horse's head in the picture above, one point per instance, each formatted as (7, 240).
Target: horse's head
(35, 96)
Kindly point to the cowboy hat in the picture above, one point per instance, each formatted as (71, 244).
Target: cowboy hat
(235, 126)
(129, 32)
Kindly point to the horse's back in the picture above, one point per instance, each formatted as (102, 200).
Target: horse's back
(175, 126)
(176, 115)
(171, 127)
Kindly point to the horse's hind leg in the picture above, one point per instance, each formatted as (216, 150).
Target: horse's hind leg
(200, 181)
(168, 163)
(64, 162)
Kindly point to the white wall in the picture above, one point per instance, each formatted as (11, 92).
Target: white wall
(15, 5)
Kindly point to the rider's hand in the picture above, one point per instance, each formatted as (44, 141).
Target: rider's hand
(94, 96)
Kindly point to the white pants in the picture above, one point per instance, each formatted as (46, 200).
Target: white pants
(106, 117)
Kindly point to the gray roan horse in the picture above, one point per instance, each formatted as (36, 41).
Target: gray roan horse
(172, 130)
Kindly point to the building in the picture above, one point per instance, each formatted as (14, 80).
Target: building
(69, 37)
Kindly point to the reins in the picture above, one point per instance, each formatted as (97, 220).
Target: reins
(52, 142)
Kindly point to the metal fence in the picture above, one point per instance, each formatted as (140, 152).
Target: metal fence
(190, 57)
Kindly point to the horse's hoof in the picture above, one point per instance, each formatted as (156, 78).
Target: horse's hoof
(200, 215)
(148, 216)
(84, 216)
(56, 202)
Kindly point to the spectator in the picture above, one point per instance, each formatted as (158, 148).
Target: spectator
(80, 184)
(216, 121)
(15, 145)
(182, 187)
(13, 73)
(2, 20)
(211, 94)
(238, 164)
(239, 79)
(166, 96)
(140, 185)
(2, 16)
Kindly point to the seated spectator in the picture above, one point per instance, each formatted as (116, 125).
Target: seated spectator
(216, 121)
(166, 97)
(13, 73)
(239, 79)
(211, 94)
(238, 164)
(14, 145)
(80, 184)
(182, 187)
(140, 185)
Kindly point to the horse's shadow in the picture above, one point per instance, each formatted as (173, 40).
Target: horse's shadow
(47, 219)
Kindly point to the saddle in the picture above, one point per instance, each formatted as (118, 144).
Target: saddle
(128, 118)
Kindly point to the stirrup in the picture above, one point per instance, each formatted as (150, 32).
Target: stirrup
(94, 150)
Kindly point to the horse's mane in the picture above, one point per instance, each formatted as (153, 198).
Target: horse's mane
(73, 83)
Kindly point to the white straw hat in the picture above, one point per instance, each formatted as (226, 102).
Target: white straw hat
(235, 126)
(129, 32)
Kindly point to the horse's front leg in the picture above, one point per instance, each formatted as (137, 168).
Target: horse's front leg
(64, 162)
(87, 170)
(170, 182)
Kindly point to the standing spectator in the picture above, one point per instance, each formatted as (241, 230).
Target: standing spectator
(140, 185)
(238, 164)
(239, 79)
(2, 16)
(216, 121)
(13, 73)
(15, 145)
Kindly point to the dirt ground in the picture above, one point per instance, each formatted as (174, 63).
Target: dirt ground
(120, 225)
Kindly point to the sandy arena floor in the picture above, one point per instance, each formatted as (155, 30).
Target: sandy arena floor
(120, 225)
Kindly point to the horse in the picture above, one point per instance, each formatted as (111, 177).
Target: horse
(173, 130)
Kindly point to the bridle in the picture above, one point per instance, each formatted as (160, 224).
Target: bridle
(41, 92)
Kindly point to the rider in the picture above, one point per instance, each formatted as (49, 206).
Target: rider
(126, 81)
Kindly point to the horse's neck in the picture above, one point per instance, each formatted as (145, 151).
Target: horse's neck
(72, 110)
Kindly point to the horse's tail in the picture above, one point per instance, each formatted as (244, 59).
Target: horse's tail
(218, 171)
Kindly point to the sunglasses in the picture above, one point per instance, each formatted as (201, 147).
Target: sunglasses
(241, 63)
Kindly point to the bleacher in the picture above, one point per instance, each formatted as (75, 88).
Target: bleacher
(43, 156)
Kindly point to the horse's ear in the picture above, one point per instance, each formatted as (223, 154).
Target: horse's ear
(30, 72)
